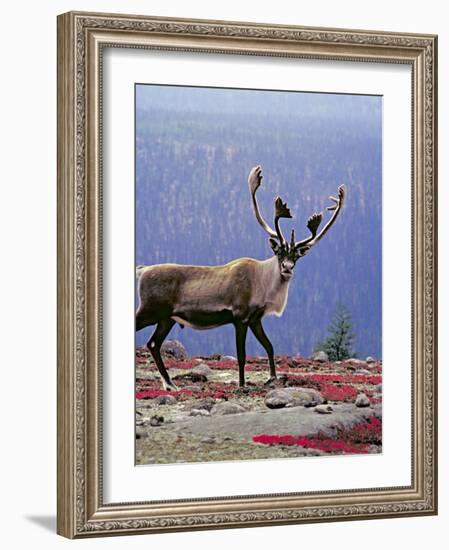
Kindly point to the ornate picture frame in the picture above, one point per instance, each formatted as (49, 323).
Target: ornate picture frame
(82, 40)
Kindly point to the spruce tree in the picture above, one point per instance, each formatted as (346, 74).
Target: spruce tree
(340, 339)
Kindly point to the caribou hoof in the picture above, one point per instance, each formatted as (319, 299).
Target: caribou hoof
(271, 380)
(170, 386)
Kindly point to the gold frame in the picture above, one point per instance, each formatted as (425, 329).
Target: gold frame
(81, 38)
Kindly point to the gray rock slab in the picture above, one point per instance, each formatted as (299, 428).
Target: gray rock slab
(293, 421)
(227, 407)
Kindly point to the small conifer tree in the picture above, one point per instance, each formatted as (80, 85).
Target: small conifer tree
(340, 339)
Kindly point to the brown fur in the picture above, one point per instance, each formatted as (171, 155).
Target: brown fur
(203, 297)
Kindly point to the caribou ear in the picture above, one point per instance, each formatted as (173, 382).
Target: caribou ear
(275, 246)
(302, 250)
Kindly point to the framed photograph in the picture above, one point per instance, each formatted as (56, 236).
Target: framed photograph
(246, 274)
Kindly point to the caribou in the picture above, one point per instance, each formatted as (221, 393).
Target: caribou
(241, 292)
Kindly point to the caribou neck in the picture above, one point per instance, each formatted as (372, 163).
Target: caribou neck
(272, 274)
(275, 289)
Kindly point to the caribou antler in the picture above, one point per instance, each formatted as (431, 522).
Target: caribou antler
(254, 181)
(280, 208)
(280, 211)
(314, 221)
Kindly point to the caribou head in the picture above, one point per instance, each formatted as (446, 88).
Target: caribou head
(289, 252)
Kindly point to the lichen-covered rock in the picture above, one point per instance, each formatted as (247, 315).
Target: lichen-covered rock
(174, 348)
(356, 362)
(191, 377)
(320, 356)
(277, 399)
(363, 371)
(323, 409)
(199, 412)
(362, 400)
(156, 420)
(203, 404)
(165, 400)
(203, 370)
(227, 407)
(293, 397)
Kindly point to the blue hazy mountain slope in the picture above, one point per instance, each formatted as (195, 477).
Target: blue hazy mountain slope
(194, 150)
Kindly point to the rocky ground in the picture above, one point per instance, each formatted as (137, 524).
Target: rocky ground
(316, 407)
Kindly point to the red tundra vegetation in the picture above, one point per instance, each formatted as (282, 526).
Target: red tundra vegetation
(354, 440)
(338, 383)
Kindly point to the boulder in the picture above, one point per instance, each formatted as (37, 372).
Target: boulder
(227, 407)
(293, 397)
(363, 371)
(174, 348)
(156, 420)
(356, 362)
(202, 369)
(370, 359)
(199, 412)
(320, 356)
(204, 404)
(323, 409)
(165, 400)
(362, 400)
(191, 377)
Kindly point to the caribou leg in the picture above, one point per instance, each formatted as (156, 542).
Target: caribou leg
(258, 331)
(141, 320)
(241, 330)
(154, 345)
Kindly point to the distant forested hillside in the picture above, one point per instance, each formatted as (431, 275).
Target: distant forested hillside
(194, 150)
